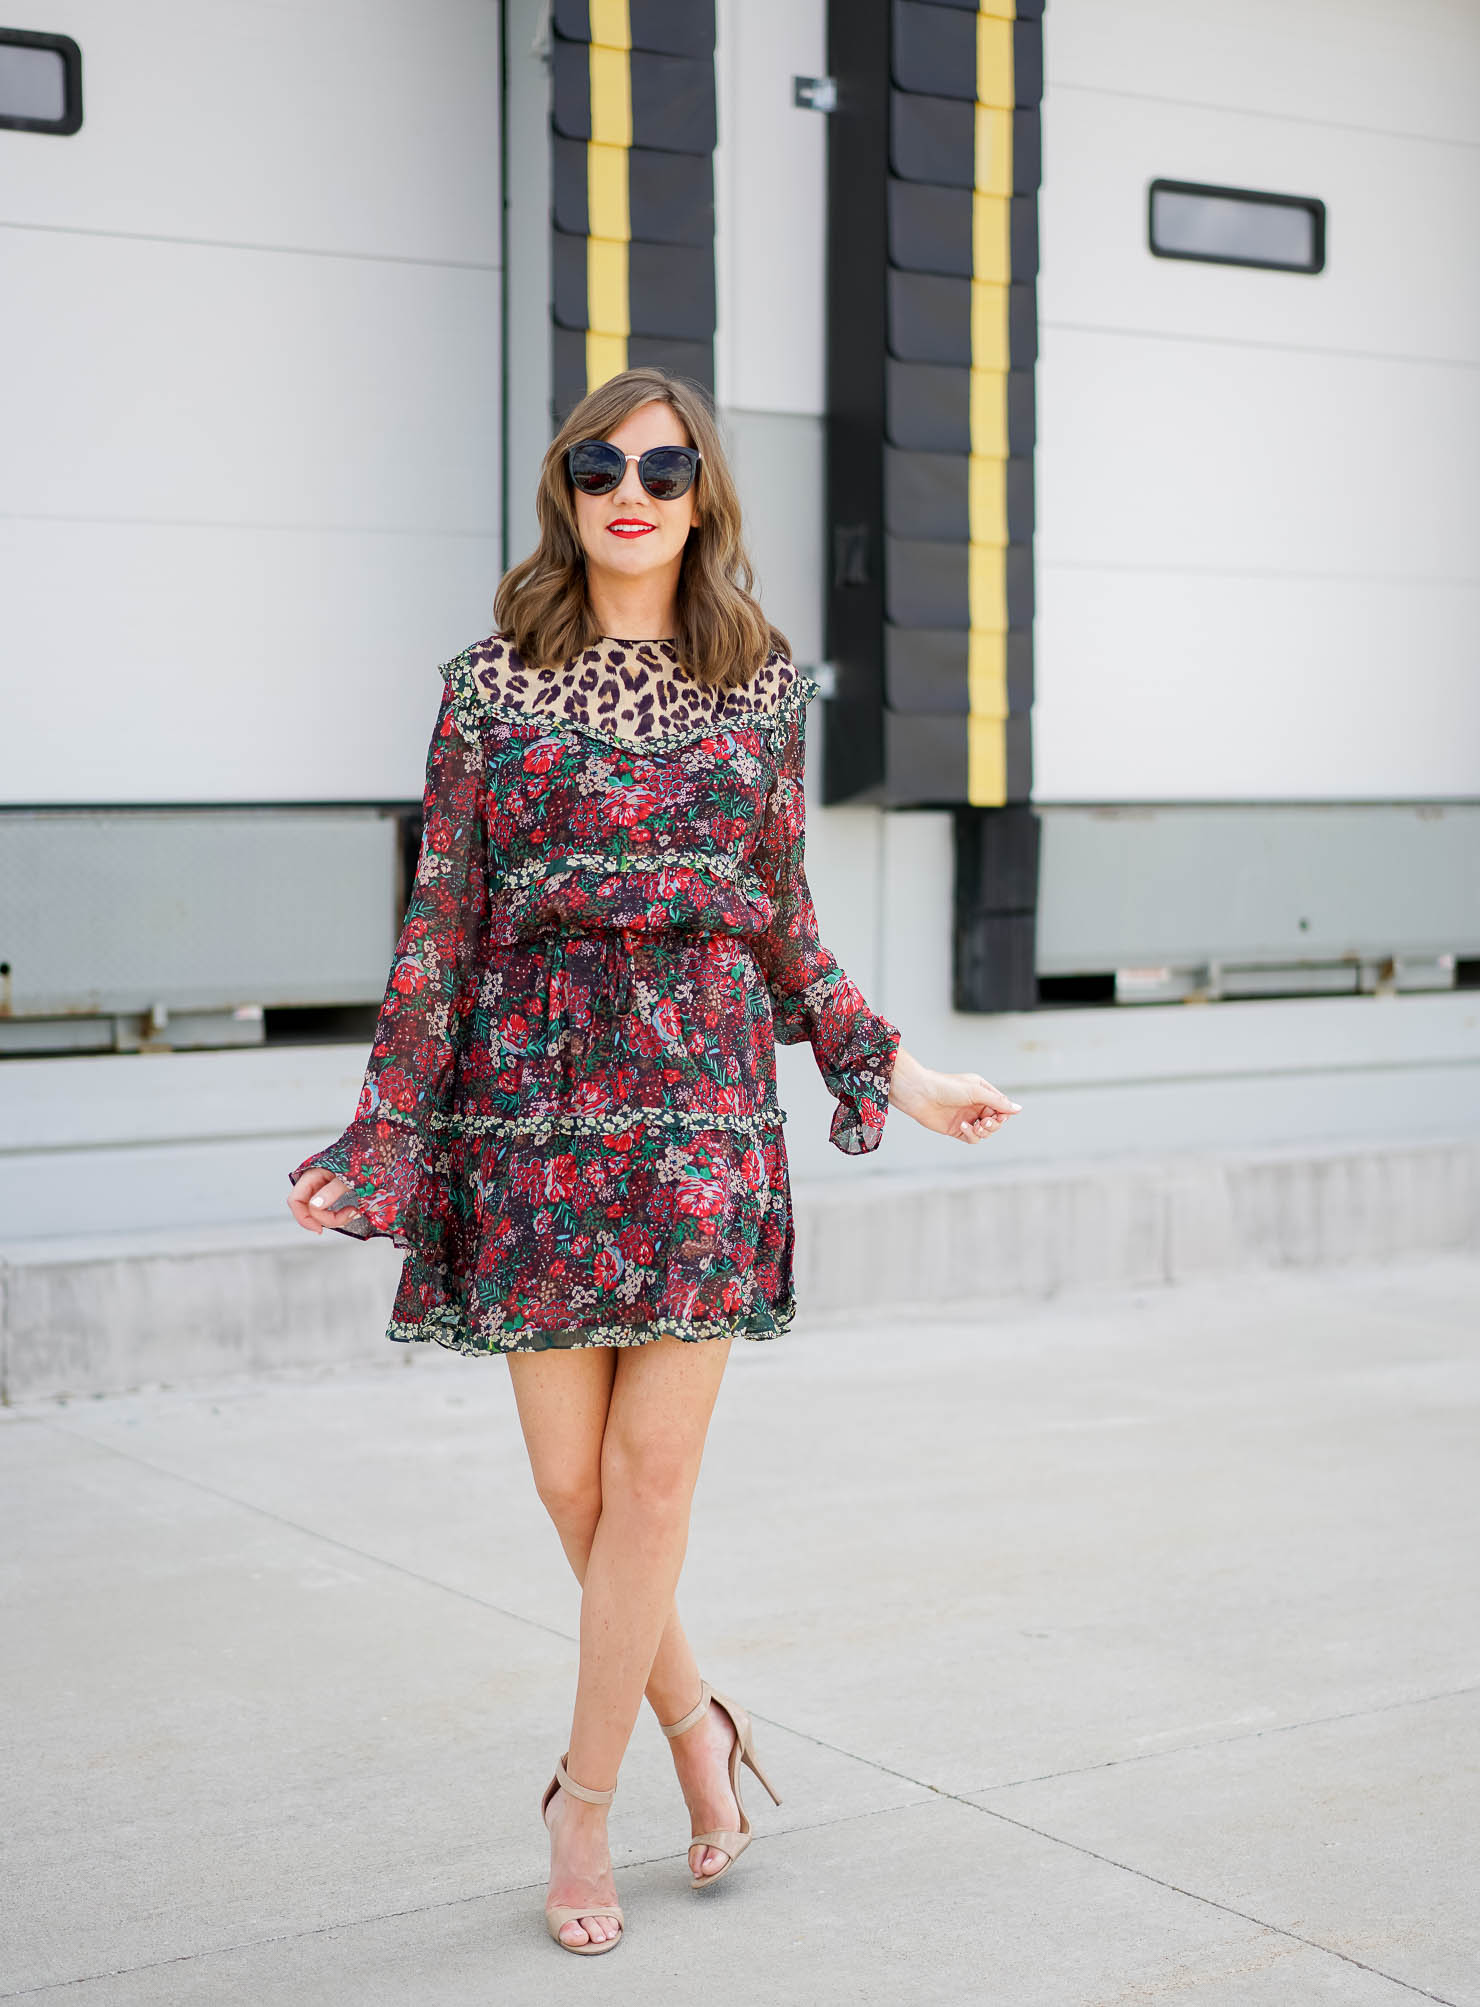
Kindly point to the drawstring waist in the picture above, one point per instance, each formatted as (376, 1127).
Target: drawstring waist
(605, 967)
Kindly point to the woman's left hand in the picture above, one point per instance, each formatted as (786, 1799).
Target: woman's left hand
(952, 1104)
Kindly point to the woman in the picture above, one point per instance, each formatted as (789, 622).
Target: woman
(569, 1117)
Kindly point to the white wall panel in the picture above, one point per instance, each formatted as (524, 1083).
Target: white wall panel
(169, 663)
(194, 383)
(1160, 686)
(322, 124)
(770, 174)
(1397, 281)
(1258, 519)
(1163, 454)
(1391, 65)
(250, 384)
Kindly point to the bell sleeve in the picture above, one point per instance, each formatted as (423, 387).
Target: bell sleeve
(429, 994)
(811, 996)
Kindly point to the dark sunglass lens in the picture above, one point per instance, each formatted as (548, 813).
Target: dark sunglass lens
(595, 467)
(666, 472)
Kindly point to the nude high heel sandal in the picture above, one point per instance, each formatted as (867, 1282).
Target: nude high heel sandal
(742, 1750)
(557, 1915)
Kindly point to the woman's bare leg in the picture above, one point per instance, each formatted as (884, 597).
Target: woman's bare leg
(562, 1411)
(614, 1445)
(663, 1394)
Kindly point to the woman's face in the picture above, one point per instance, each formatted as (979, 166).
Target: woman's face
(627, 531)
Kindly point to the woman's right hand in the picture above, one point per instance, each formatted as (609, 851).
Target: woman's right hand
(313, 1197)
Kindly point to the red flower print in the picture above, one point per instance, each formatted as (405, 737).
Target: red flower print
(699, 1199)
(542, 757)
(631, 805)
(607, 1267)
(666, 1021)
(397, 1090)
(636, 1243)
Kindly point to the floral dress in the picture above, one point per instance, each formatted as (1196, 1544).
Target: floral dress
(569, 1119)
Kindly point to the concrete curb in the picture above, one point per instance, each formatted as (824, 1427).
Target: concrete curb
(1036, 1231)
(121, 1311)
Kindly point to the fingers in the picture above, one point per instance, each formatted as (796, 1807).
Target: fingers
(315, 1195)
(993, 1097)
(976, 1129)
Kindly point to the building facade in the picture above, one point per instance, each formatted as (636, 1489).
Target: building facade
(1102, 387)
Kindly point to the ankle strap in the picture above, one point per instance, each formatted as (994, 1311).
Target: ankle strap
(695, 1713)
(568, 1783)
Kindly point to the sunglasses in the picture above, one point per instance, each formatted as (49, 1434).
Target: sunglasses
(597, 467)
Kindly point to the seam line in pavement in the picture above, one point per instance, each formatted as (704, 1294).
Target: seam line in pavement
(414, 1909)
(309, 1532)
(1226, 1741)
(1126, 1867)
(1227, 1908)
(550, 1630)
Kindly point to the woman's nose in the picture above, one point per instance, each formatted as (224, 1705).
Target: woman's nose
(629, 488)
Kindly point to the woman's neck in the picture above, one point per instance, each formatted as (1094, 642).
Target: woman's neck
(634, 609)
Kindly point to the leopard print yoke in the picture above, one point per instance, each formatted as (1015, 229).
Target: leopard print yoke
(636, 692)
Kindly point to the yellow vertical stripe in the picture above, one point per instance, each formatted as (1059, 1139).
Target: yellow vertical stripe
(986, 577)
(987, 499)
(994, 61)
(607, 210)
(606, 356)
(991, 262)
(986, 763)
(989, 413)
(608, 198)
(991, 237)
(611, 23)
(989, 347)
(986, 675)
(607, 308)
(993, 150)
(611, 96)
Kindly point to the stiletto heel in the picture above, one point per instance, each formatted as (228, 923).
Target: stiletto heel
(559, 1914)
(742, 1750)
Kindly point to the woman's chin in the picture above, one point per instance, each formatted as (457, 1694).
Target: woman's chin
(632, 560)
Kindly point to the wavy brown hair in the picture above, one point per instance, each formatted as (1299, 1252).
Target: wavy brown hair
(542, 605)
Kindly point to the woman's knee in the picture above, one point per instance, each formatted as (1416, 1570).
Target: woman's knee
(647, 1476)
(572, 1498)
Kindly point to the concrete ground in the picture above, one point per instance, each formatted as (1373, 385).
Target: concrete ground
(1120, 1649)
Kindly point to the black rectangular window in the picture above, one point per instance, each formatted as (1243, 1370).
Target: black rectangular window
(40, 82)
(1237, 226)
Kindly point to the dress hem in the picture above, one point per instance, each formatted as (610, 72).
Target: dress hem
(450, 1329)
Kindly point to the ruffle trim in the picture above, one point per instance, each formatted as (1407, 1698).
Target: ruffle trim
(450, 1328)
(724, 865)
(609, 1122)
(472, 707)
